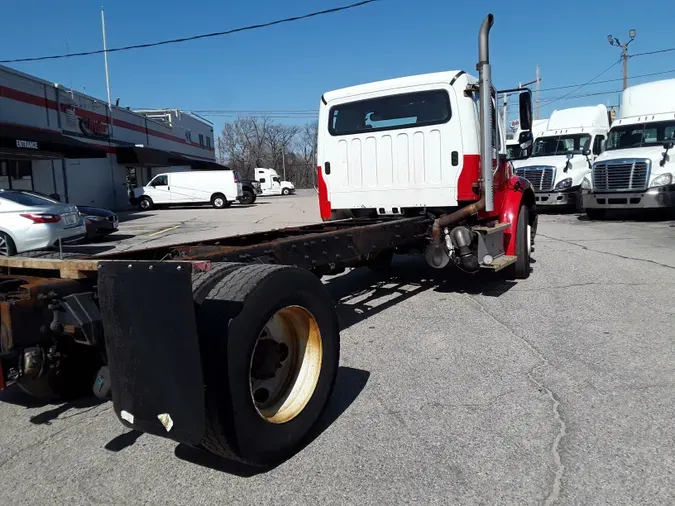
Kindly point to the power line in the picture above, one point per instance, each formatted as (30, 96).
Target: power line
(609, 80)
(658, 51)
(584, 84)
(196, 37)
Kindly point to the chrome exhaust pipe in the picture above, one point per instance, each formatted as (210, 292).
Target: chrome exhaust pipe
(486, 111)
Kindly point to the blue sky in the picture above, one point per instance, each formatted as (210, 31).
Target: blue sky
(288, 67)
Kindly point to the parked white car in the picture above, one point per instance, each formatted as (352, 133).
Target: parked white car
(31, 222)
(220, 188)
(271, 183)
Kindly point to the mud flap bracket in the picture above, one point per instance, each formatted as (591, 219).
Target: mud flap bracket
(152, 346)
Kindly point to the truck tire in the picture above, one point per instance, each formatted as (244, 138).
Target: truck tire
(7, 247)
(270, 358)
(247, 197)
(285, 191)
(521, 269)
(145, 204)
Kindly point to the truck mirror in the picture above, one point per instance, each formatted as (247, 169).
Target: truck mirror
(585, 151)
(525, 141)
(603, 145)
(525, 106)
(668, 145)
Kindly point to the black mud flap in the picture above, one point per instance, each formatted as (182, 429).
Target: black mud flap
(153, 352)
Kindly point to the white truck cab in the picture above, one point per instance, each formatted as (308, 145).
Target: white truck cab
(271, 183)
(637, 170)
(392, 147)
(564, 153)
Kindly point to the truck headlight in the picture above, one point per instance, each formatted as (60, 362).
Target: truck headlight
(662, 180)
(586, 184)
(564, 184)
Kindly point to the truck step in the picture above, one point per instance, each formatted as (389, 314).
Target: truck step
(498, 227)
(501, 262)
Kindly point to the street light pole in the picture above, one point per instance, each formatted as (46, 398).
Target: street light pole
(624, 53)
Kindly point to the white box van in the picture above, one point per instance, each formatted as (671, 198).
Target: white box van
(218, 187)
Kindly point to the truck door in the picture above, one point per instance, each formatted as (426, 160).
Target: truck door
(276, 185)
(158, 189)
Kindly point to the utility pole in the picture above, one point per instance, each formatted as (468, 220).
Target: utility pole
(624, 53)
(536, 116)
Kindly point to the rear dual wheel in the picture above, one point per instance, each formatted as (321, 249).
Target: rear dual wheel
(270, 358)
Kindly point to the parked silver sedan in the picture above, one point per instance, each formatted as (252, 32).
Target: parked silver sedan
(31, 222)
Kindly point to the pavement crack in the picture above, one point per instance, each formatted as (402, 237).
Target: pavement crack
(52, 436)
(617, 255)
(554, 493)
(589, 283)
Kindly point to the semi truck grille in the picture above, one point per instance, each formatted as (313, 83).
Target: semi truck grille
(541, 177)
(623, 175)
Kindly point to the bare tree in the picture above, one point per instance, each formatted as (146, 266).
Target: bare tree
(257, 141)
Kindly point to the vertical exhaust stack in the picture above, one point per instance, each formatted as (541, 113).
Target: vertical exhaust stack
(486, 112)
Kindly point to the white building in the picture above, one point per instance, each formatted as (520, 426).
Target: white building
(55, 140)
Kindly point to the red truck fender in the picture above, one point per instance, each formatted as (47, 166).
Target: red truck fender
(519, 191)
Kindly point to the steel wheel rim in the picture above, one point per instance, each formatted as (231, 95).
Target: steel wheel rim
(4, 246)
(218, 202)
(145, 204)
(286, 364)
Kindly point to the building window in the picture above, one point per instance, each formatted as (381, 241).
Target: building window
(208, 142)
(188, 135)
(16, 174)
(201, 140)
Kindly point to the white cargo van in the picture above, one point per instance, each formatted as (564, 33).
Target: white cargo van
(637, 171)
(271, 183)
(564, 153)
(218, 187)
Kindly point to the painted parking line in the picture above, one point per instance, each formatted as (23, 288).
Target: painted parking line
(163, 230)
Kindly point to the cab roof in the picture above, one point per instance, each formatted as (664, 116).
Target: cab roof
(397, 83)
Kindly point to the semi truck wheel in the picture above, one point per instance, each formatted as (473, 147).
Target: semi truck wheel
(521, 269)
(270, 358)
(285, 191)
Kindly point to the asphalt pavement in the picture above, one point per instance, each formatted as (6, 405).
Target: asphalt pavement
(452, 389)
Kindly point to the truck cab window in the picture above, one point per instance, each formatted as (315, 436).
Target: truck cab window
(422, 108)
(597, 144)
(160, 181)
(261, 180)
(276, 179)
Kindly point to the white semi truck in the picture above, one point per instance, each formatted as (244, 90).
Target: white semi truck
(271, 183)
(637, 170)
(563, 155)
(513, 146)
